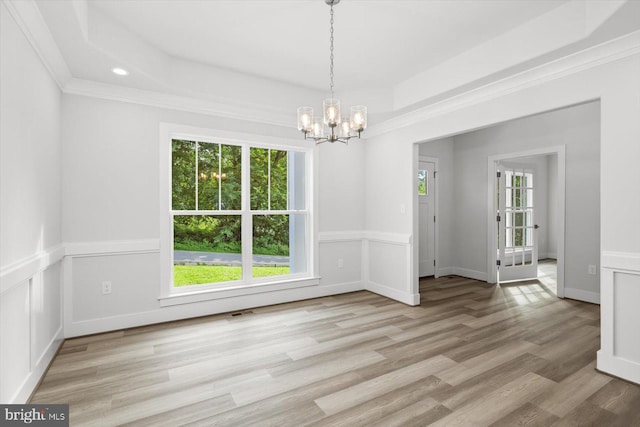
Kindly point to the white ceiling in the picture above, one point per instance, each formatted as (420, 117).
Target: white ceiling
(378, 43)
(389, 54)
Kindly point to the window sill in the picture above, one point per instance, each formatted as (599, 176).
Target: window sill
(236, 291)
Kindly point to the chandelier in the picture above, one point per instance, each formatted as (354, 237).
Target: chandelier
(340, 128)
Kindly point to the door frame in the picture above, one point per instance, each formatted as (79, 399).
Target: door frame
(417, 157)
(492, 243)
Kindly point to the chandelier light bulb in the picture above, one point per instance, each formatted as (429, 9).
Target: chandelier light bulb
(317, 129)
(305, 119)
(345, 128)
(359, 118)
(331, 112)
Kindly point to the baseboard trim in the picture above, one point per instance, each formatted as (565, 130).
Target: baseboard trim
(471, 274)
(394, 294)
(581, 295)
(25, 391)
(205, 308)
(445, 271)
(618, 367)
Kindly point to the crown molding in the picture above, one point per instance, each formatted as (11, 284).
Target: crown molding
(610, 51)
(253, 113)
(27, 16)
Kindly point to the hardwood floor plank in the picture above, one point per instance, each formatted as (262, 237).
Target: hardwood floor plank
(588, 415)
(417, 415)
(564, 364)
(470, 368)
(399, 400)
(498, 316)
(287, 402)
(616, 396)
(271, 387)
(572, 391)
(383, 384)
(527, 415)
(341, 343)
(186, 414)
(501, 402)
(430, 327)
(565, 345)
(483, 384)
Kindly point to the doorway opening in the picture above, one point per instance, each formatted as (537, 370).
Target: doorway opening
(526, 225)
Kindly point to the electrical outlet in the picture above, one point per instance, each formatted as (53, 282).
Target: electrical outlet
(592, 269)
(340, 263)
(106, 287)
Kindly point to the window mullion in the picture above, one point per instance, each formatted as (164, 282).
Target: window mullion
(247, 219)
(269, 180)
(219, 176)
(197, 175)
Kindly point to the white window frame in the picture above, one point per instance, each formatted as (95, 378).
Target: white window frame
(170, 295)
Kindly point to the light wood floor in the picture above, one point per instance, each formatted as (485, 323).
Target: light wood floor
(471, 355)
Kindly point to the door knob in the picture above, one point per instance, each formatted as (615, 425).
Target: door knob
(536, 226)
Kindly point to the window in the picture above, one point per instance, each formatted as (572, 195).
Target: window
(239, 214)
(423, 187)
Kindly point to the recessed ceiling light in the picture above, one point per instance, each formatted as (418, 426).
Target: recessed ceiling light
(120, 71)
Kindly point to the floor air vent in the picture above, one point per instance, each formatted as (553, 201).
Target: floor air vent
(241, 313)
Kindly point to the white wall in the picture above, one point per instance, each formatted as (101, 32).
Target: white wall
(111, 220)
(30, 251)
(578, 128)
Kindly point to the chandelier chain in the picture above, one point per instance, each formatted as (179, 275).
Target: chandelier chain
(331, 52)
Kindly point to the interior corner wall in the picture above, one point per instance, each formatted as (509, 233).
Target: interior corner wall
(578, 128)
(30, 223)
(111, 215)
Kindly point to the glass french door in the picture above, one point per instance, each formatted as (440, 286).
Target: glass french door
(517, 231)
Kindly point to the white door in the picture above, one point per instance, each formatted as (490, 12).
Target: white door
(517, 231)
(426, 215)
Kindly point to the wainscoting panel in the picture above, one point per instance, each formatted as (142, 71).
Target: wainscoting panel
(340, 261)
(619, 354)
(389, 266)
(30, 322)
(133, 268)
